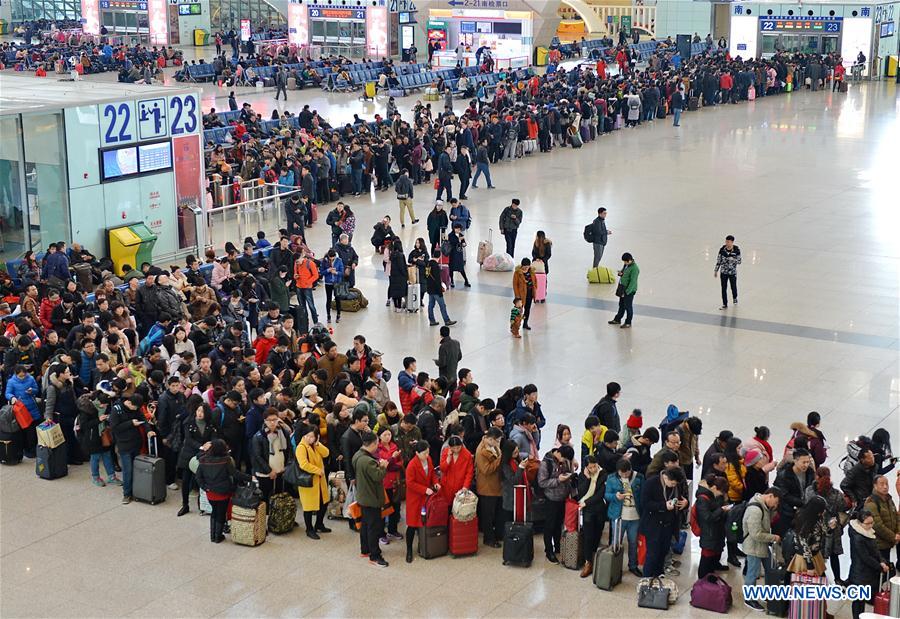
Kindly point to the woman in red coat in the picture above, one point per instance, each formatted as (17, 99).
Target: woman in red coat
(421, 482)
(457, 468)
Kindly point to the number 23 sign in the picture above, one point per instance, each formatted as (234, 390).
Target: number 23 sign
(118, 121)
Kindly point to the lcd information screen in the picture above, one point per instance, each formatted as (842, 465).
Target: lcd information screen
(154, 157)
(485, 27)
(507, 27)
(467, 27)
(119, 162)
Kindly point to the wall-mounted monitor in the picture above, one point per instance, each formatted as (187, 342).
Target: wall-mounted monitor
(467, 27)
(117, 163)
(484, 27)
(135, 160)
(154, 157)
(508, 27)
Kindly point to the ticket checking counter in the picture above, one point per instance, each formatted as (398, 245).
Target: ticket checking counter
(762, 29)
(508, 35)
(352, 30)
(82, 157)
(143, 21)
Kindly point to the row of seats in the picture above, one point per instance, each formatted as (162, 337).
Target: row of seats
(206, 72)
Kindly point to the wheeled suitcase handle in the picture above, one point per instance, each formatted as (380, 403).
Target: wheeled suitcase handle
(153, 446)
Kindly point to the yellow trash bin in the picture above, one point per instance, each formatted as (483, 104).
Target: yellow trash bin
(892, 66)
(543, 56)
(130, 245)
(201, 37)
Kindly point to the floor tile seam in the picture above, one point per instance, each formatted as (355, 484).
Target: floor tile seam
(704, 319)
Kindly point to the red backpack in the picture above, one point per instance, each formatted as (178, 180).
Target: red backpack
(695, 524)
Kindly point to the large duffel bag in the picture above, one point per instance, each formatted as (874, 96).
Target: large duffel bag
(352, 300)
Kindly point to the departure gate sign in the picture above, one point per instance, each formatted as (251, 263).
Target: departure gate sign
(812, 25)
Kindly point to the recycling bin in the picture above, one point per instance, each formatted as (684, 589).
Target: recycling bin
(130, 245)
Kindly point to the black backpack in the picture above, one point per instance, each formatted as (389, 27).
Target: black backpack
(734, 522)
(589, 233)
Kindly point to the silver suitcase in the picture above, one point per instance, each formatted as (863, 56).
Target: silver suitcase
(149, 481)
(412, 298)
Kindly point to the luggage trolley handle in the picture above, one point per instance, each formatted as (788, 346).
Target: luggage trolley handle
(490, 235)
(153, 445)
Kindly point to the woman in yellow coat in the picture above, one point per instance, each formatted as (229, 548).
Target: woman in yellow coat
(311, 456)
(736, 474)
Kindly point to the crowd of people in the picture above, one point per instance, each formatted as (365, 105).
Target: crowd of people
(77, 54)
(179, 362)
(233, 382)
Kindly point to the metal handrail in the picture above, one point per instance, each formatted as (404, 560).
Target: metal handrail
(250, 216)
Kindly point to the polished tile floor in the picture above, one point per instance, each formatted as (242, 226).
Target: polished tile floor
(805, 182)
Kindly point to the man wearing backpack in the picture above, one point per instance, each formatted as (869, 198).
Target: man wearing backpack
(597, 234)
(757, 534)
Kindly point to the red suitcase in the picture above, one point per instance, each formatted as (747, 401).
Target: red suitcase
(463, 537)
(882, 599)
(314, 210)
(520, 503)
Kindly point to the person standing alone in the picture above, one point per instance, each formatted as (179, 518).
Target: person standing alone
(600, 235)
(281, 79)
(510, 220)
(627, 288)
(678, 105)
(726, 268)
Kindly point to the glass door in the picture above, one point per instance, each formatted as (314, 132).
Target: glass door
(13, 216)
(829, 44)
(45, 179)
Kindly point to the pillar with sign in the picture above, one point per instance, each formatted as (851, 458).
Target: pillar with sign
(149, 170)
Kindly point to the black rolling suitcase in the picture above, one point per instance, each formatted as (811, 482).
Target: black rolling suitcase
(776, 575)
(518, 535)
(51, 463)
(149, 483)
(10, 448)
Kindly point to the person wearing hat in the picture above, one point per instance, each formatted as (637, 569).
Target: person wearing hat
(632, 428)
(421, 483)
(756, 478)
(714, 452)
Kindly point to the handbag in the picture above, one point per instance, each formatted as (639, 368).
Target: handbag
(799, 565)
(620, 290)
(106, 437)
(296, 476)
(437, 183)
(571, 518)
(23, 416)
(653, 595)
(341, 290)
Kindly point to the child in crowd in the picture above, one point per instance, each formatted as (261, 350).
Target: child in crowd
(515, 317)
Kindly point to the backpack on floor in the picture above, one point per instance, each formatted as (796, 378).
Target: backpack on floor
(283, 513)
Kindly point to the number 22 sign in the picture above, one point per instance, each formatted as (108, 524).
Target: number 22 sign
(117, 123)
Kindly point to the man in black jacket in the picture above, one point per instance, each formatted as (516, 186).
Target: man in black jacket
(351, 441)
(435, 289)
(229, 419)
(169, 409)
(605, 410)
(445, 174)
(860, 479)
(794, 478)
(600, 234)
(124, 420)
(349, 257)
